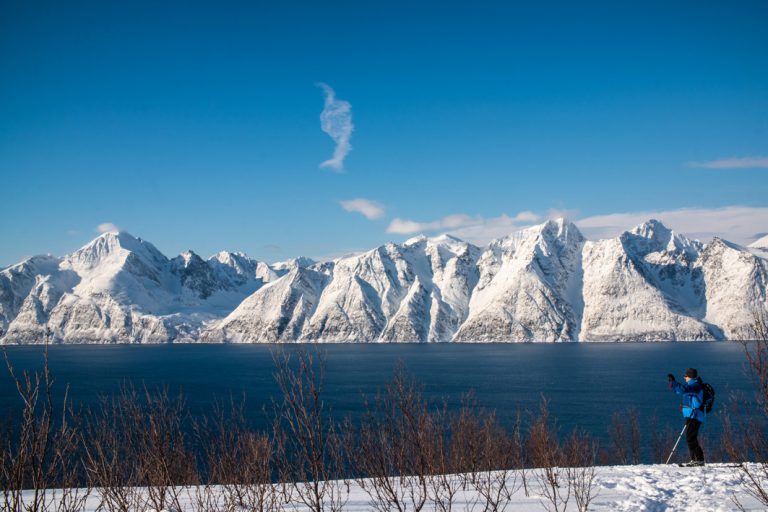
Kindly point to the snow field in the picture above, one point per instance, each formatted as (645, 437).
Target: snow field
(651, 488)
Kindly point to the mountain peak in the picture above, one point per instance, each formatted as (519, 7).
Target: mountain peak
(760, 243)
(415, 240)
(113, 244)
(552, 228)
(300, 262)
(187, 258)
(227, 257)
(653, 236)
(653, 229)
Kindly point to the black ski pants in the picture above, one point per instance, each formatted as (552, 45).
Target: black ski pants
(692, 436)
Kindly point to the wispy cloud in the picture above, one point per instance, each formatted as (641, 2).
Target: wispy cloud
(746, 162)
(371, 209)
(106, 227)
(336, 121)
(735, 223)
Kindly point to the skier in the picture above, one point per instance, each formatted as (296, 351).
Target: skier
(693, 398)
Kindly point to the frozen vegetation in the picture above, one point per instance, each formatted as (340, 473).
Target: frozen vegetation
(544, 283)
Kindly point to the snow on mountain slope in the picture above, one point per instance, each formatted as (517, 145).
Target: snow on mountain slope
(759, 247)
(391, 293)
(276, 312)
(395, 293)
(529, 287)
(237, 270)
(118, 288)
(18, 281)
(735, 287)
(644, 286)
(544, 283)
(39, 283)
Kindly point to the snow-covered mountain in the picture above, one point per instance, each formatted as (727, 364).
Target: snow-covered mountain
(121, 289)
(544, 283)
(646, 284)
(529, 287)
(759, 247)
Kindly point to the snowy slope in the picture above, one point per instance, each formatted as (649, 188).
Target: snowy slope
(118, 288)
(644, 488)
(544, 283)
(276, 312)
(759, 247)
(529, 287)
(644, 286)
(417, 291)
(28, 293)
(735, 283)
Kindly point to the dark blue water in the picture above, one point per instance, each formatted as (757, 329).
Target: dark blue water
(585, 383)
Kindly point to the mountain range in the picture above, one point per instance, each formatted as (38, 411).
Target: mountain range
(543, 283)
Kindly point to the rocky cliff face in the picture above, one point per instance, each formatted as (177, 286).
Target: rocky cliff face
(544, 283)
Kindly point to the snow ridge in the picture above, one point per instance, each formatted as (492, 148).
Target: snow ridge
(546, 283)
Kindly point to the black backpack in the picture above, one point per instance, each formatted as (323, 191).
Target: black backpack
(709, 397)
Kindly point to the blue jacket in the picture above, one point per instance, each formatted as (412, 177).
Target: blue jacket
(693, 397)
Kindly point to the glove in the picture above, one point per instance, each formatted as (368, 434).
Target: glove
(670, 377)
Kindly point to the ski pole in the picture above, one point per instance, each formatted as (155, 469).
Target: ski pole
(677, 442)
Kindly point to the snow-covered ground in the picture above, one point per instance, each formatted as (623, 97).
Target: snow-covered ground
(616, 488)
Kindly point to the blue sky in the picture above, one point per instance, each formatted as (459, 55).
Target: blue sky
(197, 125)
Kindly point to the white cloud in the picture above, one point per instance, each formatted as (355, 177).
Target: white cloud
(566, 213)
(475, 229)
(106, 227)
(407, 227)
(735, 223)
(371, 209)
(336, 121)
(400, 226)
(747, 162)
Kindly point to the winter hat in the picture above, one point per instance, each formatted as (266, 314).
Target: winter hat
(692, 373)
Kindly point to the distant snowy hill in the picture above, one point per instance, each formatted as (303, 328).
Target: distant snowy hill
(544, 283)
(759, 247)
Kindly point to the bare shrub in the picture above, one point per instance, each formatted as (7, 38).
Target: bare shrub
(745, 436)
(72, 489)
(624, 433)
(139, 440)
(617, 434)
(395, 451)
(111, 457)
(489, 457)
(307, 442)
(37, 452)
(662, 439)
(239, 462)
(580, 456)
(445, 463)
(165, 457)
(501, 461)
(547, 458)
